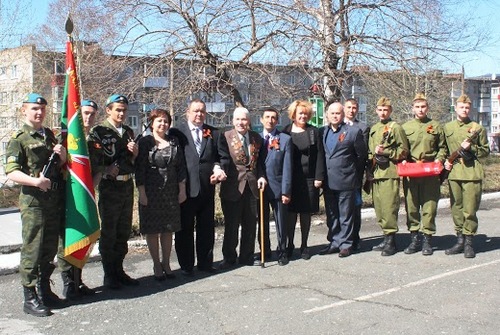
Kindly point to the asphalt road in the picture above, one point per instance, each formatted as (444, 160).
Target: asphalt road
(362, 294)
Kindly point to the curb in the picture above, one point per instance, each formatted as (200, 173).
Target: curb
(9, 263)
(9, 210)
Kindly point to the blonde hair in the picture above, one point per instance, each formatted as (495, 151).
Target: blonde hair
(292, 109)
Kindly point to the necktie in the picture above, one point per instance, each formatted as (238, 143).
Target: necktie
(245, 145)
(266, 141)
(197, 141)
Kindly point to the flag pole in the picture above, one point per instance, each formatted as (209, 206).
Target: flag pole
(76, 270)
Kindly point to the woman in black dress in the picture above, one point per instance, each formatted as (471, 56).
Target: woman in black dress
(308, 170)
(161, 181)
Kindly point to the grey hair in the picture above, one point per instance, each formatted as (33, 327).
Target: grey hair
(241, 109)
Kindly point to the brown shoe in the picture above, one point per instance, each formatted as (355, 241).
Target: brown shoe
(345, 252)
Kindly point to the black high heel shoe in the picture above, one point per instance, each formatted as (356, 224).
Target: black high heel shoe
(161, 277)
(168, 275)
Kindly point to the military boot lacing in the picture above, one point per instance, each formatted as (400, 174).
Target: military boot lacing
(458, 248)
(427, 246)
(390, 245)
(415, 244)
(468, 249)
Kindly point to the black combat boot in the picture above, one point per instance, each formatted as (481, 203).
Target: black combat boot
(390, 245)
(122, 277)
(48, 298)
(69, 287)
(468, 249)
(32, 304)
(458, 248)
(426, 246)
(110, 279)
(381, 245)
(415, 244)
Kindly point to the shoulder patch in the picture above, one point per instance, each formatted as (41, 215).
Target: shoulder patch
(17, 133)
(12, 159)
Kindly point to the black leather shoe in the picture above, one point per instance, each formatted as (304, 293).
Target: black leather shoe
(112, 282)
(169, 275)
(345, 252)
(208, 269)
(126, 280)
(187, 273)
(226, 265)
(283, 260)
(305, 254)
(328, 250)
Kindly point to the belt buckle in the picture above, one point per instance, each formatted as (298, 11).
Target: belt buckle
(123, 177)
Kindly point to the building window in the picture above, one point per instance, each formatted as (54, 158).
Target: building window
(3, 71)
(14, 97)
(494, 91)
(13, 71)
(3, 98)
(59, 67)
(132, 121)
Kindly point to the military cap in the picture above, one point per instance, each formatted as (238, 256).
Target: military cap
(384, 101)
(90, 103)
(34, 98)
(117, 98)
(420, 97)
(464, 98)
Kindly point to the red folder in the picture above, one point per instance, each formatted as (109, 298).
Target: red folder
(416, 170)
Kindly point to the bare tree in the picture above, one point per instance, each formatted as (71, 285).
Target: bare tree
(220, 36)
(410, 35)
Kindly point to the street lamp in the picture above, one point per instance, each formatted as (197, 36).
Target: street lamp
(463, 72)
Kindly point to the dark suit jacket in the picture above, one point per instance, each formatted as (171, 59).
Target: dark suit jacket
(199, 168)
(240, 170)
(279, 163)
(347, 159)
(365, 130)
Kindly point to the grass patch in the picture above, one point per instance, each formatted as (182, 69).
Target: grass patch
(9, 196)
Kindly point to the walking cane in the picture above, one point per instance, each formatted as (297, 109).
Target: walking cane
(261, 198)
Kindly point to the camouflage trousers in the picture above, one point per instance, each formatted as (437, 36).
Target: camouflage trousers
(41, 223)
(116, 200)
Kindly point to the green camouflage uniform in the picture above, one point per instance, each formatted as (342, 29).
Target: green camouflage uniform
(29, 151)
(466, 177)
(427, 144)
(116, 197)
(385, 190)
